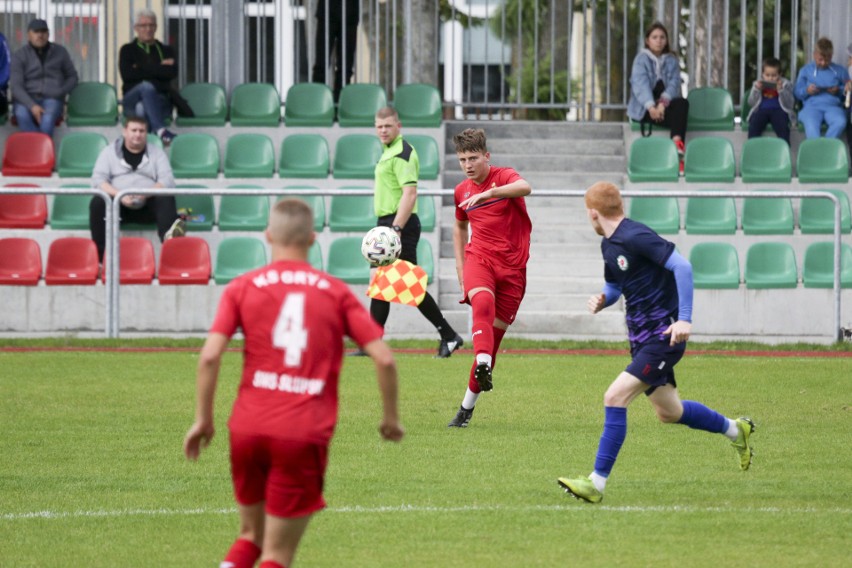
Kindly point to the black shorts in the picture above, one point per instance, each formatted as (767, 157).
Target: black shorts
(654, 361)
(410, 235)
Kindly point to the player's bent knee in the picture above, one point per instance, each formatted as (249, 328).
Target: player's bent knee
(668, 416)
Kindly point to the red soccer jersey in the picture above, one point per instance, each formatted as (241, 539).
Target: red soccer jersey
(294, 319)
(500, 228)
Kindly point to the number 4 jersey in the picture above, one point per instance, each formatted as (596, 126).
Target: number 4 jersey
(294, 319)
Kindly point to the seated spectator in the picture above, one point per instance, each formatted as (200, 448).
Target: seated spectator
(655, 95)
(4, 75)
(147, 69)
(41, 75)
(820, 87)
(771, 100)
(129, 163)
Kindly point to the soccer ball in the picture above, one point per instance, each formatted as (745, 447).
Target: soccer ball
(381, 246)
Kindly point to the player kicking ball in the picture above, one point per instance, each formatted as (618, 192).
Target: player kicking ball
(656, 283)
(492, 266)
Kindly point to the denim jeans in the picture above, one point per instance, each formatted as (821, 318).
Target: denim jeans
(146, 101)
(52, 111)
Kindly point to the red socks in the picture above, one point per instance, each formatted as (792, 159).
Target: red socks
(483, 322)
(243, 553)
(270, 564)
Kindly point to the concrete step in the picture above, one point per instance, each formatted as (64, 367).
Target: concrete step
(583, 267)
(520, 129)
(573, 233)
(555, 147)
(552, 163)
(537, 284)
(535, 302)
(550, 179)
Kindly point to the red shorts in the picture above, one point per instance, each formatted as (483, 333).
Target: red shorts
(287, 474)
(508, 285)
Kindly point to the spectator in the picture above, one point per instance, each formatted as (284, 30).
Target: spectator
(820, 88)
(772, 101)
(129, 163)
(147, 69)
(4, 75)
(42, 75)
(655, 95)
(340, 40)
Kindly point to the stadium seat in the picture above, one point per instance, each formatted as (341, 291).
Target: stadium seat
(359, 103)
(238, 255)
(70, 212)
(200, 210)
(243, 213)
(427, 153)
(710, 158)
(771, 265)
(71, 261)
(818, 269)
(710, 108)
(92, 104)
(315, 201)
(425, 260)
(426, 212)
(772, 216)
(660, 213)
(822, 160)
(135, 262)
(207, 101)
(345, 261)
(711, 216)
(653, 159)
(154, 140)
(304, 156)
(184, 261)
(356, 156)
(249, 156)
(78, 152)
(28, 154)
(816, 215)
(309, 104)
(351, 213)
(315, 256)
(418, 104)
(194, 156)
(766, 159)
(20, 262)
(255, 104)
(715, 266)
(22, 211)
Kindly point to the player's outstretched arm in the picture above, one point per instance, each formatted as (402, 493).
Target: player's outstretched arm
(390, 427)
(518, 188)
(202, 431)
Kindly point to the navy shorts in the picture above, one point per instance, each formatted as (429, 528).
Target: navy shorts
(653, 363)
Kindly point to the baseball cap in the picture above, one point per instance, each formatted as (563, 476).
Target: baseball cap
(37, 25)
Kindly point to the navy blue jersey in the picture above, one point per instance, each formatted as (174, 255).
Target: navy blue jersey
(634, 261)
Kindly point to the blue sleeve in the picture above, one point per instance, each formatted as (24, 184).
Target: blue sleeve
(612, 293)
(4, 62)
(640, 83)
(801, 90)
(671, 77)
(683, 279)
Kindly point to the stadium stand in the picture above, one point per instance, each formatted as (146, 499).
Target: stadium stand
(255, 104)
(304, 156)
(309, 104)
(23, 211)
(136, 261)
(767, 216)
(711, 216)
(200, 210)
(428, 154)
(817, 215)
(653, 159)
(194, 155)
(184, 261)
(818, 267)
(315, 256)
(208, 103)
(28, 154)
(359, 103)
(345, 261)
(425, 259)
(715, 266)
(78, 152)
(426, 212)
(660, 213)
(710, 158)
(92, 104)
(351, 213)
(238, 255)
(771, 265)
(249, 156)
(766, 160)
(710, 108)
(243, 212)
(356, 156)
(70, 212)
(20, 262)
(315, 202)
(71, 261)
(822, 160)
(418, 104)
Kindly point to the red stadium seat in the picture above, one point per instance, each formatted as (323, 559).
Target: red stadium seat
(136, 262)
(28, 154)
(72, 261)
(20, 262)
(19, 211)
(185, 260)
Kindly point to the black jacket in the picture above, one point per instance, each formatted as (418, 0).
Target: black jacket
(137, 64)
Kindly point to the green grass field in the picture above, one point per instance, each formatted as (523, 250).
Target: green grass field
(92, 472)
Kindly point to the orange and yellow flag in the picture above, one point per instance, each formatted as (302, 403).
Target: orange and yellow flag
(400, 282)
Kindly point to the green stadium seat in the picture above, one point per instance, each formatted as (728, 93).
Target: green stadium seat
(356, 156)
(715, 266)
(70, 212)
(255, 104)
(818, 269)
(426, 212)
(304, 156)
(199, 209)
(315, 256)
(428, 154)
(711, 216)
(249, 156)
(207, 101)
(660, 213)
(710, 158)
(816, 215)
(309, 104)
(314, 200)
(359, 103)
(767, 216)
(154, 140)
(653, 159)
(78, 153)
(345, 261)
(425, 259)
(710, 108)
(92, 104)
(351, 213)
(194, 156)
(766, 160)
(243, 212)
(418, 104)
(236, 256)
(3, 118)
(771, 265)
(822, 160)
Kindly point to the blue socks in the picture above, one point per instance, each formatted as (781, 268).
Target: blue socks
(699, 417)
(614, 433)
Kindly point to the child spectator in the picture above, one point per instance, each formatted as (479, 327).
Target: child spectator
(820, 87)
(771, 100)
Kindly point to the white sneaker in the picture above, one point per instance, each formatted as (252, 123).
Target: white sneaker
(178, 229)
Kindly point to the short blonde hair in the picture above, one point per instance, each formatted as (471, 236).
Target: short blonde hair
(605, 198)
(291, 223)
(388, 112)
(470, 140)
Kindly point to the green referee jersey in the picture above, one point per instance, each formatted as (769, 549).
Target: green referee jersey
(398, 167)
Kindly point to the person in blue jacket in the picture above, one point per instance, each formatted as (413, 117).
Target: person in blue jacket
(4, 75)
(820, 86)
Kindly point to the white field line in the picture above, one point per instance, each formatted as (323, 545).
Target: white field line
(574, 507)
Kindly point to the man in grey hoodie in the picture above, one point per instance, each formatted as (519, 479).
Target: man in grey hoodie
(41, 75)
(130, 163)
